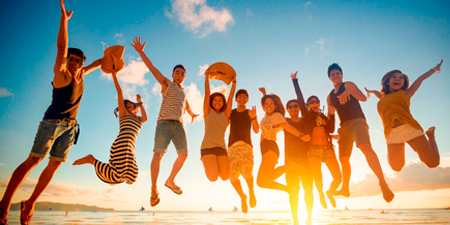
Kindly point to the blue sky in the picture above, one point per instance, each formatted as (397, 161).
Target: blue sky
(264, 41)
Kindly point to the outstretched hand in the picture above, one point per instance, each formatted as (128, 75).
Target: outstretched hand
(294, 75)
(262, 90)
(252, 112)
(437, 68)
(138, 98)
(193, 117)
(66, 15)
(344, 97)
(137, 44)
(368, 92)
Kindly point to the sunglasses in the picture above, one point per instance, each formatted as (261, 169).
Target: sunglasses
(292, 106)
(80, 61)
(314, 102)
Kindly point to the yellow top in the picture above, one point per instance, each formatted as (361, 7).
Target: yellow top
(395, 106)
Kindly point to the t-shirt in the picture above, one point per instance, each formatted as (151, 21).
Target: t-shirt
(295, 149)
(270, 126)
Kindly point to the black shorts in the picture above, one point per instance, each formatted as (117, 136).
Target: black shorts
(268, 145)
(217, 151)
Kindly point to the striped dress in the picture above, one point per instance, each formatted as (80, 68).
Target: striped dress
(122, 165)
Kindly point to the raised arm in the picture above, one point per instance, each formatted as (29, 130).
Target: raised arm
(62, 45)
(298, 92)
(373, 92)
(121, 105)
(263, 91)
(254, 119)
(206, 106)
(414, 86)
(143, 117)
(230, 100)
(351, 89)
(164, 81)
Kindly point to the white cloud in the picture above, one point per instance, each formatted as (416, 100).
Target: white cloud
(307, 51)
(414, 176)
(156, 89)
(202, 69)
(248, 13)
(5, 93)
(195, 99)
(199, 17)
(119, 38)
(320, 44)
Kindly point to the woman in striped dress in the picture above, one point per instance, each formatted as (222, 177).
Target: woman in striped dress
(122, 165)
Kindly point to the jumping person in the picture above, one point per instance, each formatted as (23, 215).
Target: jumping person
(57, 130)
(321, 149)
(240, 149)
(170, 122)
(122, 166)
(345, 98)
(216, 112)
(297, 165)
(399, 125)
(272, 123)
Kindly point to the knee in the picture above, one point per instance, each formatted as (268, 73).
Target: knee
(397, 166)
(366, 148)
(32, 161)
(182, 156)
(260, 181)
(212, 178)
(433, 163)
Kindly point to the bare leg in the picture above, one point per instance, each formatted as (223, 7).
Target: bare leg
(87, 159)
(278, 172)
(316, 168)
(154, 168)
(224, 167)
(265, 177)
(211, 167)
(307, 184)
(237, 186)
(335, 171)
(179, 162)
(251, 191)
(292, 181)
(43, 181)
(426, 149)
(396, 156)
(374, 163)
(17, 177)
(346, 173)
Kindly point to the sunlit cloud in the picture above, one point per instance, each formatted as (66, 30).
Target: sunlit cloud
(414, 177)
(202, 69)
(156, 89)
(195, 99)
(5, 93)
(200, 18)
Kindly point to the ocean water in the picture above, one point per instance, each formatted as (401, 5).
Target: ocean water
(328, 217)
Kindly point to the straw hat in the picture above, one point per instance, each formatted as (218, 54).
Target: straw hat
(112, 59)
(221, 71)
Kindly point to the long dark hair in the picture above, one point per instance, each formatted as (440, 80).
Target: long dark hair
(211, 99)
(116, 110)
(278, 103)
(385, 81)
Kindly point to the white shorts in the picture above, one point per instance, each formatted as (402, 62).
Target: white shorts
(402, 134)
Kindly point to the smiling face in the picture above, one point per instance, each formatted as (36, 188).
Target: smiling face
(217, 103)
(396, 82)
(74, 64)
(336, 76)
(269, 106)
(314, 104)
(242, 100)
(179, 74)
(132, 109)
(293, 109)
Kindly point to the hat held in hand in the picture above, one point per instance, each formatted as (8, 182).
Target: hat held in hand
(221, 71)
(112, 59)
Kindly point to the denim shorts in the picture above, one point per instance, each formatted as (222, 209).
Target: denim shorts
(54, 136)
(170, 130)
(323, 152)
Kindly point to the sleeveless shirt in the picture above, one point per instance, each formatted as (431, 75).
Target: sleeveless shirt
(240, 127)
(348, 111)
(173, 103)
(215, 126)
(395, 106)
(65, 101)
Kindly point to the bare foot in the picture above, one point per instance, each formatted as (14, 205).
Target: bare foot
(244, 204)
(388, 195)
(322, 200)
(252, 200)
(87, 159)
(343, 192)
(331, 198)
(430, 131)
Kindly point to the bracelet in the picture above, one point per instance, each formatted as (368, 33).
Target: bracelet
(435, 70)
(254, 118)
